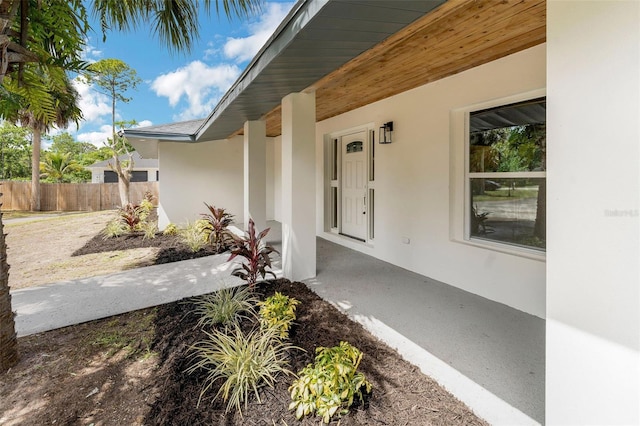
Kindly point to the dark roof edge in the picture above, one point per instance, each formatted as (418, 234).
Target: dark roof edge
(303, 11)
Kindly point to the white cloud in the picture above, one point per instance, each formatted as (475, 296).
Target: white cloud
(98, 138)
(90, 53)
(243, 49)
(200, 84)
(94, 105)
(144, 123)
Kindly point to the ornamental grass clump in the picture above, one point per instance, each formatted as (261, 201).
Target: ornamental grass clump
(279, 312)
(255, 251)
(329, 386)
(243, 362)
(193, 237)
(227, 307)
(114, 228)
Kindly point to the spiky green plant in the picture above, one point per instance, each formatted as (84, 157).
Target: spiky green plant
(150, 230)
(243, 362)
(226, 306)
(278, 311)
(146, 206)
(114, 228)
(192, 237)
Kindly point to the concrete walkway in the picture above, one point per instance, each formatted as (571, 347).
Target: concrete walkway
(66, 303)
(489, 355)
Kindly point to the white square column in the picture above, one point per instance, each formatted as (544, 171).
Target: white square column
(593, 213)
(255, 174)
(299, 186)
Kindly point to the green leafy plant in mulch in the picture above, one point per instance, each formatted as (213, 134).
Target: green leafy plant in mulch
(328, 387)
(279, 312)
(244, 362)
(227, 307)
(171, 229)
(256, 252)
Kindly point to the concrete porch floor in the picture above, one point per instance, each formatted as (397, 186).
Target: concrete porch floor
(489, 355)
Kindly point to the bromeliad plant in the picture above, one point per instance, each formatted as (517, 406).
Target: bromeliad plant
(218, 221)
(279, 312)
(256, 252)
(131, 218)
(131, 215)
(329, 386)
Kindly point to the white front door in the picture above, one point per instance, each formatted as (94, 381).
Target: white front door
(354, 189)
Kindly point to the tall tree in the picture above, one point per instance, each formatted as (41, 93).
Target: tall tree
(114, 79)
(15, 152)
(8, 341)
(58, 167)
(80, 153)
(65, 143)
(66, 110)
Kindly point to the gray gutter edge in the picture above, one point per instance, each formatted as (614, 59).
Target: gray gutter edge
(175, 137)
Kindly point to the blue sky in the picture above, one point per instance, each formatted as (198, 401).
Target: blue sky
(176, 86)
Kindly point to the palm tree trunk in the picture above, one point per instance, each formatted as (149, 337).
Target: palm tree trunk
(8, 341)
(35, 170)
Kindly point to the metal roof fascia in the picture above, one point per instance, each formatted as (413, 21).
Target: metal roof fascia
(297, 19)
(174, 137)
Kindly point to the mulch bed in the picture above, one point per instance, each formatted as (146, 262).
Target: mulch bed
(171, 249)
(401, 394)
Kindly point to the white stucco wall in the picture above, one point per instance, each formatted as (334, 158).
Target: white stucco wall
(593, 219)
(274, 178)
(413, 183)
(192, 174)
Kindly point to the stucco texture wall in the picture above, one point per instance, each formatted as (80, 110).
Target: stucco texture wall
(192, 174)
(413, 182)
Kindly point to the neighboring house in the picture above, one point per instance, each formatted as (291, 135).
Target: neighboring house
(296, 139)
(145, 170)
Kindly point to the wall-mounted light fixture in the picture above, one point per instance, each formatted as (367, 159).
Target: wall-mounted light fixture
(384, 136)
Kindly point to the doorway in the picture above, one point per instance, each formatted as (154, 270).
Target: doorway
(353, 185)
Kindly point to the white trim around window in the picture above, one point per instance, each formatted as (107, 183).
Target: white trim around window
(460, 200)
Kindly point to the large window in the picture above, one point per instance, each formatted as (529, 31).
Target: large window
(506, 175)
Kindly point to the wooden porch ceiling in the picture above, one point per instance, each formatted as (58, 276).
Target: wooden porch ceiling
(459, 35)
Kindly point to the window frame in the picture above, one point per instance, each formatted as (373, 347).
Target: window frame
(460, 188)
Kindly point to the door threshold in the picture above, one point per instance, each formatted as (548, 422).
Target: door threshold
(353, 238)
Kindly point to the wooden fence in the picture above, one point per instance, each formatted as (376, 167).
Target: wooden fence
(68, 197)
